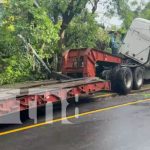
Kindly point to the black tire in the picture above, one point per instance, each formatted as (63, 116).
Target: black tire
(137, 78)
(113, 78)
(124, 80)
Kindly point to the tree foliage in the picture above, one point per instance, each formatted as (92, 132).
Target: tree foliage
(145, 13)
(84, 31)
(22, 17)
(127, 13)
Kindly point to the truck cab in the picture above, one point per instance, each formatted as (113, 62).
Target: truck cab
(136, 45)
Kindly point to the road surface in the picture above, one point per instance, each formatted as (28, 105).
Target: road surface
(110, 123)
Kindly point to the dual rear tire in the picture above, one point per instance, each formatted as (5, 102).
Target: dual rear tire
(137, 78)
(124, 79)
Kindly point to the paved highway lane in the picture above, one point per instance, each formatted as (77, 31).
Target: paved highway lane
(106, 124)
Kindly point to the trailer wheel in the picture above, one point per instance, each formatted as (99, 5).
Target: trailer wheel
(113, 78)
(137, 78)
(124, 80)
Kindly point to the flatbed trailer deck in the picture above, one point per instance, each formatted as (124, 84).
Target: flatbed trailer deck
(17, 100)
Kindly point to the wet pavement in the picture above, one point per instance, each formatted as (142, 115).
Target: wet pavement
(121, 128)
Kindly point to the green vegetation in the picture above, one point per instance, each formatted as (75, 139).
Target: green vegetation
(127, 14)
(84, 31)
(52, 26)
(22, 17)
(146, 12)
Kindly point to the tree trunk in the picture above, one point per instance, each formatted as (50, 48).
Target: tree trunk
(95, 6)
(61, 41)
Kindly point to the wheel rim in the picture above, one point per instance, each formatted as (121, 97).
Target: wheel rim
(128, 80)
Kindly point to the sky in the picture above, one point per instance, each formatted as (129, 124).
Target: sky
(114, 20)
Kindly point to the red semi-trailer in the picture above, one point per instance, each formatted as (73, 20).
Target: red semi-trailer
(88, 71)
(80, 64)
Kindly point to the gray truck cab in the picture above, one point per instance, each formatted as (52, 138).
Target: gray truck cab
(136, 45)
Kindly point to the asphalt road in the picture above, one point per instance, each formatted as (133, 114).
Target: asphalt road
(111, 123)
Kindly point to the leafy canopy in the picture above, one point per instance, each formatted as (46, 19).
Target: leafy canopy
(22, 17)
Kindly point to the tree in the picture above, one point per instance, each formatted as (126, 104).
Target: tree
(64, 11)
(94, 4)
(127, 14)
(84, 31)
(145, 13)
(34, 24)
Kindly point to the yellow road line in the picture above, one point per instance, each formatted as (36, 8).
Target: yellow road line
(113, 94)
(71, 117)
(104, 95)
